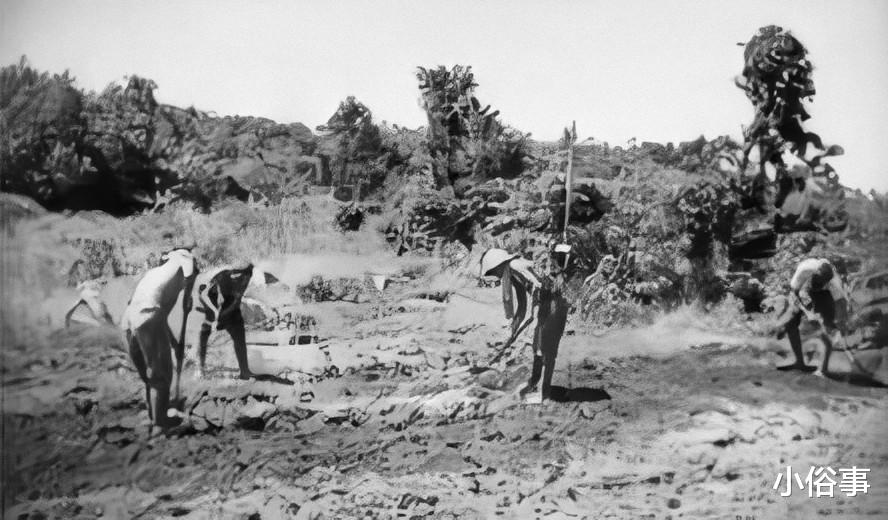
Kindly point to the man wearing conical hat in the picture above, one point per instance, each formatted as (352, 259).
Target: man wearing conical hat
(522, 283)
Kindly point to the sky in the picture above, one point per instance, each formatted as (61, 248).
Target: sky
(656, 70)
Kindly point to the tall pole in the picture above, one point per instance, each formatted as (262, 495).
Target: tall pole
(568, 177)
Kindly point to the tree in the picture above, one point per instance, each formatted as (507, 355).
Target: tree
(777, 79)
(41, 131)
(358, 139)
(465, 140)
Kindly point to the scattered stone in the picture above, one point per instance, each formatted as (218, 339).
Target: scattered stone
(409, 499)
(255, 414)
(309, 511)
(496, 436)
(84, 406)
(200, 424)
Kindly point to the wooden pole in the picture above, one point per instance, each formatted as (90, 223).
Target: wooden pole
(568, 179)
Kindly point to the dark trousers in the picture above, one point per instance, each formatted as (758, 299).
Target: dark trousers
(235, 327)
(551, 320)
(825, 307)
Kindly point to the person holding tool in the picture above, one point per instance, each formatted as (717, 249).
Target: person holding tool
(816, 293)
(522, 284)
(544, 294)
(221, 305)
(89, 297)
(147, 331)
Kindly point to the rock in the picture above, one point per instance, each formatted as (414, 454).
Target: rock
(200, 424)
(84, 406)
(673, 503)
(492, 380)
(419, 305)
(213, 411)
(309, 511)
(255, 312)
(409, 499)
(255, 414)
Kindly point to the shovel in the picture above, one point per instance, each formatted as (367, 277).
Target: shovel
(509, 342)
(810, 315)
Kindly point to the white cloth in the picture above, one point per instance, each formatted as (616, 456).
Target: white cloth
(158, 290)
(524, 268)
(801, 279)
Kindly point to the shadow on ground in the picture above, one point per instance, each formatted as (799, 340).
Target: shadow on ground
(577, 395)
(273, 379)
(857, 380)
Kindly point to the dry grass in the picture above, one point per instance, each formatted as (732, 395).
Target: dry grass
(38, 254)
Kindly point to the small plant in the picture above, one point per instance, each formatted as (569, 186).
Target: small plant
(350, 217)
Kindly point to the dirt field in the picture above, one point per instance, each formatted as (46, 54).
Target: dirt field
(685, 418)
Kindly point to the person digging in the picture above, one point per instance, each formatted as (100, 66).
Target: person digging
(90, 297)
(816, 293)
(522, 284)
(221, 299)
(147, 332)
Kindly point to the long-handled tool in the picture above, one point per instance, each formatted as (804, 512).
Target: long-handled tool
(845, 349)
(508, 343)
(180, 350)
(812, 317)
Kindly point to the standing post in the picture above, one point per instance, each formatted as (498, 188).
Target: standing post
(570, 136)
(380, 281)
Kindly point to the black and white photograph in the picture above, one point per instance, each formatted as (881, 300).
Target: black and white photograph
(443, 259)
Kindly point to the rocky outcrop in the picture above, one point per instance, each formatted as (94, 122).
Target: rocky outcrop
(120, 150)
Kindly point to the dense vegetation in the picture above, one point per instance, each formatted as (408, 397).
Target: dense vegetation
(674, 223)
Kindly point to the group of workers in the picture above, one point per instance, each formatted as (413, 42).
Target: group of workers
(151, 342)
(530, 293)
(816, 292)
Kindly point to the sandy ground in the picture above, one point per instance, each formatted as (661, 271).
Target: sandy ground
(675, 420)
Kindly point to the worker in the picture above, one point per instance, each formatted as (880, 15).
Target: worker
(543, 293)
(221, 305)
(147, 331)
(816, 292)
(89, 296)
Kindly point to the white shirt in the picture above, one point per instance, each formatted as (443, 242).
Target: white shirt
(801, 280)
(156, 291)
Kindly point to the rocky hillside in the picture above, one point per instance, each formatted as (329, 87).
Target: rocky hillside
(120, 150)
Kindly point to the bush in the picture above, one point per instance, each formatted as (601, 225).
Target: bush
(349, 218)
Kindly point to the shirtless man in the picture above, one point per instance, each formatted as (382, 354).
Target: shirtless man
(543, 293)
(818, 294)
(221, 299)
(147, 331)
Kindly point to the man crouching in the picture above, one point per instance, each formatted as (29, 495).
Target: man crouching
(816, 292)
(221, 305)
